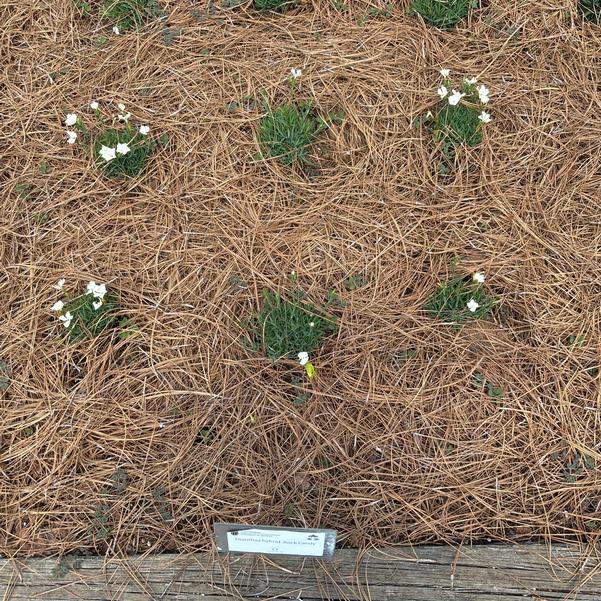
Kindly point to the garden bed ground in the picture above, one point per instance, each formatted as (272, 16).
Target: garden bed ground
(140, 442)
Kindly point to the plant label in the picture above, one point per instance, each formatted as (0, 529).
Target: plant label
(270, 540)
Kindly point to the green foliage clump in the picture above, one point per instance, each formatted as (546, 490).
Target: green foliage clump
(130, 14)
(458, 125)
(286, 328)
(450, 300)
(287, 132)
(124, 165)
(443, 14)
(274, 5)
(591, 10)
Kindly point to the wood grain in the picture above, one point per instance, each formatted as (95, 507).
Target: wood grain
(431, 573)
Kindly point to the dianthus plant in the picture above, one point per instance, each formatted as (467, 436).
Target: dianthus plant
(460, 299)
(591, 10)
(285, 328)
(287, 132)
(88, 313)
(460, 116)
(119, 148)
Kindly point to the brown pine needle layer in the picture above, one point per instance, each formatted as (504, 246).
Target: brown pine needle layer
(142, 443)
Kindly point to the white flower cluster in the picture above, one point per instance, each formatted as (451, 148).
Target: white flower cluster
(98, 291)
(106, 152)
(454, 96)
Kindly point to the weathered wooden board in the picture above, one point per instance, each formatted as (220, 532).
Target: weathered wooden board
(479, 573)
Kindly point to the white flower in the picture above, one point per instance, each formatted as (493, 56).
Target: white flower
(479, 277)
(107, 153)
(144, 129)
(472, 305)
(94, 105)
(71, 137)
(442, 91)
(483, 93)
(445, 72)
(455, 97)
(96, 290)
(59, 285)
(116, 30)
(66, 318)
(312, 324)
(296, 73)
(71, 119)
(124, 117)
(121, 106)
(303, 358)
(122, 148)
(484, 117)
(97, 305)
(58, 306)
(472, 81)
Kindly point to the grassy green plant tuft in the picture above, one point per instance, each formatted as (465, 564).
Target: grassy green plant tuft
(274, 5)
(89, 322)
(443, 14)
(591, 10)
(450, 301)
(287, 328)
(127, 165)
(287, 132)
(458, 125)
(130, 14)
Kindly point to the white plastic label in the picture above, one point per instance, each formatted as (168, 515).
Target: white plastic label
(276, 542)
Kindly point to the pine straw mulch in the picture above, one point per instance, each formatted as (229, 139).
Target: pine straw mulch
(99, 442)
